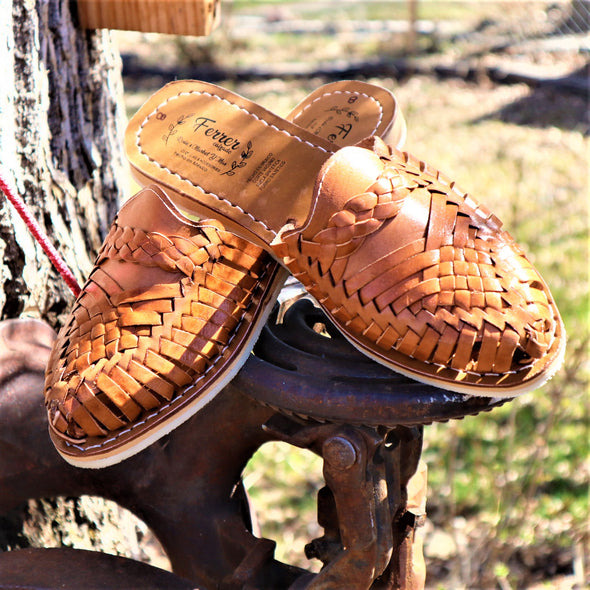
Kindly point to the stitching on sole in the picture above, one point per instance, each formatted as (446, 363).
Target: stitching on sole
(192, 184)
(349, 92)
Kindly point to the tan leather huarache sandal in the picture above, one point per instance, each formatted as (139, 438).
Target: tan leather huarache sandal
(173, 306)
(413, 271)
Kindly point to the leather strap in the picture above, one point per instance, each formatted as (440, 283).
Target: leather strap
(129, 349)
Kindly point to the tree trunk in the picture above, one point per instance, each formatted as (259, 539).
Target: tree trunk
(61, 130)
(61, 114)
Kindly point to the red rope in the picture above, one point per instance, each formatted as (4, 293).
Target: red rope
(38, 233)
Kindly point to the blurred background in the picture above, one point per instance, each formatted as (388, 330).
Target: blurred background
(495, 94)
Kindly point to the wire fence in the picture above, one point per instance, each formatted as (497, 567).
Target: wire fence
(548, 38)
(530, 26)
(491, 23)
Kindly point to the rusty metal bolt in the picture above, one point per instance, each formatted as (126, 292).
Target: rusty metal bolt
(339, 453)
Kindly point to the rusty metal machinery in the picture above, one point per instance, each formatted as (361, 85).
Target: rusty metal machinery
(304, 385)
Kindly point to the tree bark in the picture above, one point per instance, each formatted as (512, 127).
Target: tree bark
(61, 130)
(61, 112)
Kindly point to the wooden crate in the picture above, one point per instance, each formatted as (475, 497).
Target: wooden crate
(175, 17)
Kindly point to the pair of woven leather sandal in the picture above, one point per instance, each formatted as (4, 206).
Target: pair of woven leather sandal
(414, 272)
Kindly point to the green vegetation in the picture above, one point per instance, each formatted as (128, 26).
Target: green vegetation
(374, 10)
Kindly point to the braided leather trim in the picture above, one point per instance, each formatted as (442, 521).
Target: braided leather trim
(459, 296)
(128, 352)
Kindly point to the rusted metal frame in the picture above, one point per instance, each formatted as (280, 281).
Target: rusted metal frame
(187, 486)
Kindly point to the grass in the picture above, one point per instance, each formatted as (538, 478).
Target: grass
(374, 10)
(283, 482)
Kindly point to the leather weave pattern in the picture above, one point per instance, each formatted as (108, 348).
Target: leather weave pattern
(133, 350)
(452, 293)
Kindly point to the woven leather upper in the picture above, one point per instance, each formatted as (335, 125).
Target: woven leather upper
(165, 308)
(418, 273)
